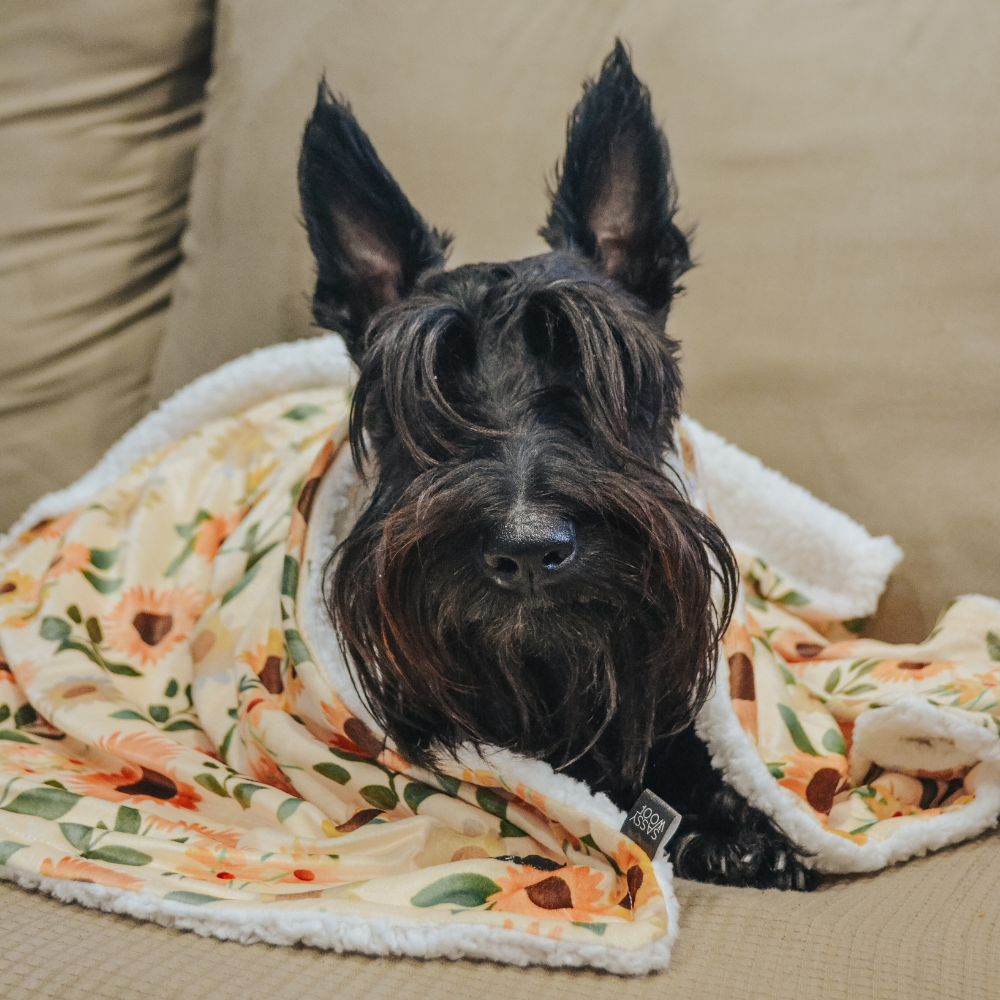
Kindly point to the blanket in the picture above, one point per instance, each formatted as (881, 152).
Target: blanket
(181, 740)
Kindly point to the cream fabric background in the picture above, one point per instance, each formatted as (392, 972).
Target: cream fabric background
(839, 157)
(99, 107)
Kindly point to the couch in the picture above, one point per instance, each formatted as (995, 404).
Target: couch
(839, 162)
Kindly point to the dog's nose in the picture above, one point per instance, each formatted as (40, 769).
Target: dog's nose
(529, 550)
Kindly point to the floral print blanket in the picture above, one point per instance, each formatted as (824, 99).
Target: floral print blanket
(172, 723)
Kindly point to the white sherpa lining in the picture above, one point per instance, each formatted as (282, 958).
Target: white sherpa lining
(265, 373)
(379, 936)
(820, 550)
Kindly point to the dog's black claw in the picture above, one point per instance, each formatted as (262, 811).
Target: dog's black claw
(716, 858)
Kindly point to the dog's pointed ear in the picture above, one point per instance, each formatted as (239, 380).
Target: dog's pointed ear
(615, 198)
(370, 244)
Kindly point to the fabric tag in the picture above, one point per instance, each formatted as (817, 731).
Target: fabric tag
(651, 823)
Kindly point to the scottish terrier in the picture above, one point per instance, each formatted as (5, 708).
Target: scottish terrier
(527, 573)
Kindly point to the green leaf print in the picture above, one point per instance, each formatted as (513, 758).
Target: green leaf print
(792, 599)
(347, 755)
(491, 802)
(187, 530)
(244, 581)
(7, 850)
(118, 855)
(993, 645)
(128, 820)
(855, 625)
(25, 716)
(94, 630)
(507, 829)
(80, 648)
(795, 730)
(860, 689)
(48, 803)
(832, 681)
(303, 411)
(73, 613)
(14, 737)
(243, 792)
(255, 557)
(833, 741)
(179, 559)
(777, 769)
(297, 649)
(290, 576)
(170, 691)
(191, 898)
(380, 796)
(127, 713)
(287, 808)
(77, 834)
(756, 602)
(100, 584)
(597, 929)
(180, 725)
(415, 793)
(54, 629)
(103, 558)
(226, 740)
(210, 782)
(449, 784)
(333, 771)
(460, 889)
(122, 669)
(4, 713)
(861, 668)
(159, 713)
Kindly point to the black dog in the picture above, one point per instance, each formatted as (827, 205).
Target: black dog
(527, 573)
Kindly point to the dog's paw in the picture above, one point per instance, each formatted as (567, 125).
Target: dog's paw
(718, 858)
(733, 843)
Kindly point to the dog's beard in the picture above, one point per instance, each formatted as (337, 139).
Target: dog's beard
(587, 676)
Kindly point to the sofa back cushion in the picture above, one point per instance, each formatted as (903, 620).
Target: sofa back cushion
(99, 110)
(840, 161)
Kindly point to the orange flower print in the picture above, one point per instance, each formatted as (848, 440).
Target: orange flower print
(207, 861)
(639, 884)
(794, 646)
(307, 495)
(134, 782)
(737, 640)
(814, 779)
(143, 748)
(225, 837)
(18, 587)
(214, 531)
(571, 893)
(71, 558)
(146, 624)
(83, 871)
(50, 527)
(25, 761)
(264, 767)
(265, 661)
(909, 670)
(142, 773)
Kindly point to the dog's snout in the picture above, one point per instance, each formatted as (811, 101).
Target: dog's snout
(529, 550)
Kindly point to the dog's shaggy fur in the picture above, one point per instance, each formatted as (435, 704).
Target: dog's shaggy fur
(528, 574)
